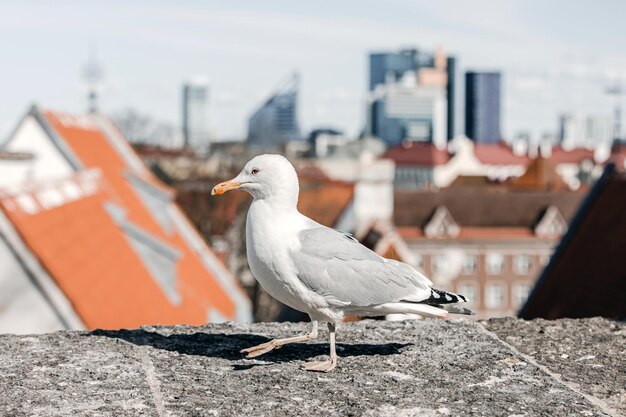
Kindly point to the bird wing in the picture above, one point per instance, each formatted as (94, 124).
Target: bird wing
(337, 267)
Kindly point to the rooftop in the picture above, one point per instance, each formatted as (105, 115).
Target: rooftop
(499, 154)
(414, 368)
(416, 153)
(489, 208)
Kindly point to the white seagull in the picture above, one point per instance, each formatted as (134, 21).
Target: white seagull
(318, 270)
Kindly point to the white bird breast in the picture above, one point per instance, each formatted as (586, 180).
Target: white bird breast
(269, 240)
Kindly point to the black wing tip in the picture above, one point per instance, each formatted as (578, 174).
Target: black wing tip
(445, 297)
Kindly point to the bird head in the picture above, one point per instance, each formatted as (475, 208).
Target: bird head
(266, 176)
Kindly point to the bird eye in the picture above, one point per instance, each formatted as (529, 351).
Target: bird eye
(255, 171)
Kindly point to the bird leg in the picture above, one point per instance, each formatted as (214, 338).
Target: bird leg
(329, 365)
(263, 348)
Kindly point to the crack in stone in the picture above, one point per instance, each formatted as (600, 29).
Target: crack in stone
(605, 408)
(153, 381)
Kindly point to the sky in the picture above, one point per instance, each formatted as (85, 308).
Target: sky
(555, 56)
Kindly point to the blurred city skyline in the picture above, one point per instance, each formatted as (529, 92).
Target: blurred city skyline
(556, 57)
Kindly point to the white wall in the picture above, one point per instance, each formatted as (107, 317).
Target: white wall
(23, 309)
(373, 193)
(48, 162)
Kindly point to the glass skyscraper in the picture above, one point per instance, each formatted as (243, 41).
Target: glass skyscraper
(195, 114)
(275, 123)
(420, 87)
(482, 106)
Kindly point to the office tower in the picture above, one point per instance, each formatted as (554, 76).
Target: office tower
(451, 91)
(482, 106)
(411, 96)
(583, 130)
(275, 123)
(195, 113)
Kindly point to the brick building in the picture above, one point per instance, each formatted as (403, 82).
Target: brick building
(490, 245)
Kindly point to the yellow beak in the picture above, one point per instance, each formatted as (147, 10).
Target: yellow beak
(226, 186)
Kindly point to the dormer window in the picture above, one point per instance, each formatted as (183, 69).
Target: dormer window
(442, 225)
(552, 224)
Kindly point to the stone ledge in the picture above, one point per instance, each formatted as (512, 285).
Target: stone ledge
(417, 368)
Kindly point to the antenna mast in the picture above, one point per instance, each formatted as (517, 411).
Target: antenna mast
(92, 74)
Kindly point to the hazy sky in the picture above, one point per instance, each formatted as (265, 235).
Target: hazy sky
(555, 55)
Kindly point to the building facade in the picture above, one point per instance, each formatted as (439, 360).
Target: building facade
(412, 96)
(482, 106)
(275, 122)
(195, 114)
(491, 250)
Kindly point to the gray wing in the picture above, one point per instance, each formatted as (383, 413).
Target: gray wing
(338, 267)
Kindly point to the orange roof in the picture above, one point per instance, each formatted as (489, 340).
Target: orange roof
(498, 154)
(91, 257)
(540, 175)
(324, 201)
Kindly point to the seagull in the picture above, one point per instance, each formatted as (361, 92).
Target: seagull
(318, 270)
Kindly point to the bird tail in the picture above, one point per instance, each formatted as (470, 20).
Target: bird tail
(401, 307)
(457, 309)
(444, 300)
(438, 305)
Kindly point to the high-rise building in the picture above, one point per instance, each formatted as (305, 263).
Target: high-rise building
(482, 106)
(412, 96)
(584, 131)
(409, 111)
(196, 113)
(275, 123)
(451, 98)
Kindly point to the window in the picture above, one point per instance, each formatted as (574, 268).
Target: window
(50, 198)
(495, 263)
(159, 258)
(156, 201)
(520, 294)
(470, 261)
(523, 263)
(494, 296)
(439, 264)
(27, 203)
(469, 291)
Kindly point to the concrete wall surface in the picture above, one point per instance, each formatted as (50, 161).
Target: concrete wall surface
(500, 367)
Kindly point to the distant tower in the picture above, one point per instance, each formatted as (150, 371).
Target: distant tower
(92, 74)
(275, 122)
(482, 106)
(412, 96)
(196, 113)
(617, 91)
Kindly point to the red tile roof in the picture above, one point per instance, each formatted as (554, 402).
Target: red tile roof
(417, 153)
(573, 156)
(498, 154)
(91, 258)
(325, 201)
